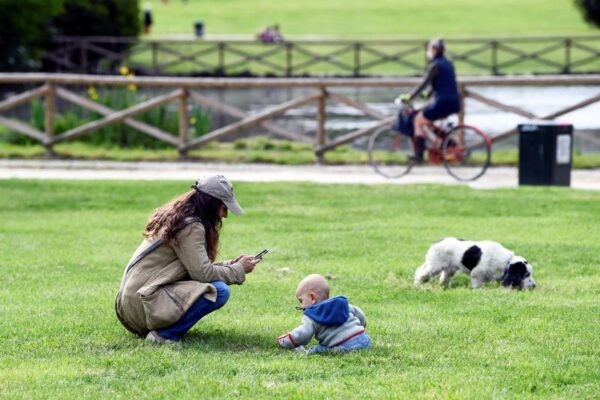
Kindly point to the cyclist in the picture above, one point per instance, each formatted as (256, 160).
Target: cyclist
(440, 75)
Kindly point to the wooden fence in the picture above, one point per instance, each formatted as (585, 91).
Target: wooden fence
(184, 90)
(488, 56)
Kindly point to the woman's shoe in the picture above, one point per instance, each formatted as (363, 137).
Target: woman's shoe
(154, 337)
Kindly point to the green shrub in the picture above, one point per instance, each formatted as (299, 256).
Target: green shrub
(240, 144)
(282, 145)
(119, 134)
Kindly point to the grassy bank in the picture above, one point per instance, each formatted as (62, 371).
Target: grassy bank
(63, 246)
(244, 150)
(257, 149)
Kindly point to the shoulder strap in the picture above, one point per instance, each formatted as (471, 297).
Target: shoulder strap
(156, 244)
(153, 246)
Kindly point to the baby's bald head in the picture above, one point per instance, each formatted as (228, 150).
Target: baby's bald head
(314, 283)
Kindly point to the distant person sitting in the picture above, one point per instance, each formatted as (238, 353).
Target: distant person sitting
(442, 78)
(271, 34)
(277, 36)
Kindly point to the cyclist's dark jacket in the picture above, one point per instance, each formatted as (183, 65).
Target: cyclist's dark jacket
(442, 78)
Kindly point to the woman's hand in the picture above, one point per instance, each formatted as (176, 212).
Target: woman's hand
(238, 258)
(249, 262)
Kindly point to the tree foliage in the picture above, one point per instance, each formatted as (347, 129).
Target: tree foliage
(24, 27)
(28, 26)
(98, 18)
(590, 10)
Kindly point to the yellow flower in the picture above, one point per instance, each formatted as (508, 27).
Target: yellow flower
(93, 93)
(124, 70)
(193, 121)
(131, 87)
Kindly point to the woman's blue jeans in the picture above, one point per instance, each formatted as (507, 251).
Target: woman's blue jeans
(196, 312)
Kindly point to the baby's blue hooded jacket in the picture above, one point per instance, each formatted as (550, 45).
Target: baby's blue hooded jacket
(331, 322)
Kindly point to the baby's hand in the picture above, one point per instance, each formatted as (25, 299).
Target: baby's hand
(284, 341)
(301, 349)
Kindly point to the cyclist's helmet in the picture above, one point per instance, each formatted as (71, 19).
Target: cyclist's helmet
(438, 44)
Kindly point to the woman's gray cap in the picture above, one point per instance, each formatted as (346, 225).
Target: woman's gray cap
(218, 186)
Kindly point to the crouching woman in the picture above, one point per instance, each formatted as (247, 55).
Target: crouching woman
(172, 281)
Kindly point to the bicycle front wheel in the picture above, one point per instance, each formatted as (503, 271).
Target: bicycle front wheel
(466, 152)
(390, 152)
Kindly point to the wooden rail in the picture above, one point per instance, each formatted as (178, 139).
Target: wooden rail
(184, 90)
(399, 57)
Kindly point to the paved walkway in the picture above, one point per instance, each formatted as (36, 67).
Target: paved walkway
(496, 177)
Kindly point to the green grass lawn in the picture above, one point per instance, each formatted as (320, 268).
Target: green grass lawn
(63, 247)
(373, 19)
(367, 20)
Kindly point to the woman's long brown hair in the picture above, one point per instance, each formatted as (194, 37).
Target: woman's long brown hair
(171, 218)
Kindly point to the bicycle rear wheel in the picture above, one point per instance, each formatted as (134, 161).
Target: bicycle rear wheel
(390, 152)
(466, 152)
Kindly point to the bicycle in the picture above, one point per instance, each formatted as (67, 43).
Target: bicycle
(464, 150)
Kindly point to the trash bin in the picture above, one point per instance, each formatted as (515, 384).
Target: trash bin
(545, 153)
(199, 28)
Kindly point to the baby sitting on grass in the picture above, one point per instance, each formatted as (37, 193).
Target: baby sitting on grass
(336, 324)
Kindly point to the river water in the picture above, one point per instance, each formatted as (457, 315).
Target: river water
(341, 119)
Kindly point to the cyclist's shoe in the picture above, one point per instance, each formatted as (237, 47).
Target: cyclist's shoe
(416, 160)
(420, 144)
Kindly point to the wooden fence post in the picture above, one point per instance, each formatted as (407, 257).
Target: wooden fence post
(494, 48)
(184, 130)
(49, 119)
(83, 56)
(289, 66)
(154, 46)
(357, 59)
(321, 116)
(567, 67)
(221, 61)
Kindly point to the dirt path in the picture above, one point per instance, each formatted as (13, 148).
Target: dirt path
(497, 177)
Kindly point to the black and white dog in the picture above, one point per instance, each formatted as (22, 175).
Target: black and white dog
(484, 261)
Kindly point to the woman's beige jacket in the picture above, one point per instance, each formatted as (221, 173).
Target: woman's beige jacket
(162, 286)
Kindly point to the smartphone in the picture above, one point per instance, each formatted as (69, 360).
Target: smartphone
(260, 255)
